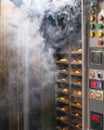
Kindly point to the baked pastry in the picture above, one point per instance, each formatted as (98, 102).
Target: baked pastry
(79, 60)
(64, 118)
(79, 125)
(74, 60)
(66, 128)
(79, 71)
(62, 98)
(65, 90)
(64, 108)
(79, 93)
(80, 49)
(63, 79)
(64, 60)
(64, 70)
(78, 104)
(78, 82)
(76, 114)
(65, 99)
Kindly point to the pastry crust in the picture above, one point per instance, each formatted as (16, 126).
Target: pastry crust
(63, 79)
(77, 114)
(64, 109)
(80, 49)
(65, 90)
(64, 70)
(79, 93)
(78, 104)
(64, 60)
(64, 99)
(79, 60)
(66, 128)
(64, 118)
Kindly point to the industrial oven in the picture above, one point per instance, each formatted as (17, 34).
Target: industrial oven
(74, 100)
(82, 75)
(96, 66)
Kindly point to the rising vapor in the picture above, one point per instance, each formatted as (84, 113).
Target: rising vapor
(35, 29)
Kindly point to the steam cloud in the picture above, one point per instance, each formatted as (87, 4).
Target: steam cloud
(35, 29)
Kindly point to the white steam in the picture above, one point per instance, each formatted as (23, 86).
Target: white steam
(28, 58)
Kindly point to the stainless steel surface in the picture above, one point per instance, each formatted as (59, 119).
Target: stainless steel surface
(85, 101)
